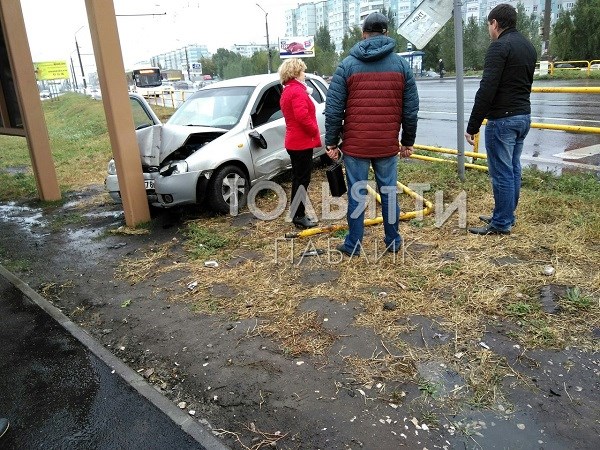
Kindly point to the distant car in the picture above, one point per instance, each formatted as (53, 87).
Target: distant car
(183, 85)
(221, 141)
(167, 87)
(564, 66)
(45, 94)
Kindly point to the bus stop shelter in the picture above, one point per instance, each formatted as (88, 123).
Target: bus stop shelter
(21, 111)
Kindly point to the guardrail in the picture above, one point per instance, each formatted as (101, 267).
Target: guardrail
(542, 126)
(575, 65)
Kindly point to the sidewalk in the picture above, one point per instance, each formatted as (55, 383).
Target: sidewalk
(61, 389)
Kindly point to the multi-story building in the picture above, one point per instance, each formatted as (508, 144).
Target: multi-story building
(182, 57)
(341, 15)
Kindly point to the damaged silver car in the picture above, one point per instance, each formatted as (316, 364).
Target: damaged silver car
(220, 142)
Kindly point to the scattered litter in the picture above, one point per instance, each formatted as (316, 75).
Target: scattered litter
(578, 388)
(126, 303)
(424, 427)
(191, 412)
(299, 363)
(211, 263)
(148, 373)
(458, 355)
(192, 285)
(521, 426)
(382, 294)
(393, 405)
(182, 405)
(415, 423)
(484, 345)
(315, 252)
(118, 245)
(122, 348)
(353, 419)
(548, 271)
(205, 364)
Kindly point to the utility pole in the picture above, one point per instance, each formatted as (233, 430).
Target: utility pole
(73, 73)
(268, 45)
(187, 63)
(546, 31)
(80, 63)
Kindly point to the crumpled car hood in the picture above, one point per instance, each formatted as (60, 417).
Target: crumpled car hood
(174, 136)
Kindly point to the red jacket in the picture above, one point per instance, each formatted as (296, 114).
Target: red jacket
(302, 131)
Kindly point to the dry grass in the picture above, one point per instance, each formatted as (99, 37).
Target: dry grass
(463, 281)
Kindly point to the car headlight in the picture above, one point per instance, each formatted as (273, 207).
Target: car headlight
(112, 167)
(174, 167)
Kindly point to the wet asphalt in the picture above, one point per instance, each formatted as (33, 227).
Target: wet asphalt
(61, 389)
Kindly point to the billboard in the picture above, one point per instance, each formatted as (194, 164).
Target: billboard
(51, 70)
(297, 47)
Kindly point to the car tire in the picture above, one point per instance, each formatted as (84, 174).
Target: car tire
(222, 189)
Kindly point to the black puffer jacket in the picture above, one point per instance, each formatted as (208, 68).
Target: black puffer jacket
(507, 78)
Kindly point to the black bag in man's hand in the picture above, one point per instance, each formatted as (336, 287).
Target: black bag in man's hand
(335, 177)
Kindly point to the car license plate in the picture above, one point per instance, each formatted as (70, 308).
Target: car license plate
(149, 184)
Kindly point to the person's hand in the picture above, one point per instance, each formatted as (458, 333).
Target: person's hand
(406, 151)
(333, 152)
(470, 138)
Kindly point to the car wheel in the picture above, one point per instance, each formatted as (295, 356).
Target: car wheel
(228, 186)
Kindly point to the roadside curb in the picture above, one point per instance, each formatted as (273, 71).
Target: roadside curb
(188, 424)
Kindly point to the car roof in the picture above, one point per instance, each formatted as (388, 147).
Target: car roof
(250, 80)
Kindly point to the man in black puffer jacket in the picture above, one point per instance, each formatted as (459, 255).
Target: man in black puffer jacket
(372, 96)
(503, 98)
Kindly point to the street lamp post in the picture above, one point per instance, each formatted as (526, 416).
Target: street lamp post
(79, 56)
(268, 46)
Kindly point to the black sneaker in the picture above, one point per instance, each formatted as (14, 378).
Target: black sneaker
(304, 222)
(488, 229)
(488, 220)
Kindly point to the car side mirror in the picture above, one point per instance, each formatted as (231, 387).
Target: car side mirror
(258, 139)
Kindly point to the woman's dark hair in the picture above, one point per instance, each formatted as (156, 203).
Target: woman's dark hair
(505, 15)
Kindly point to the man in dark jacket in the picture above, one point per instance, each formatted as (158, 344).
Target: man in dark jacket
(503, 98)
(371, 97)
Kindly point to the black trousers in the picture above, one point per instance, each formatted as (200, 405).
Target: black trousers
(302, 165)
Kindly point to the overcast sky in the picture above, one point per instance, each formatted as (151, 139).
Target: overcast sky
(52, 25)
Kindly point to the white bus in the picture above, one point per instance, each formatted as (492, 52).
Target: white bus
(145, 80)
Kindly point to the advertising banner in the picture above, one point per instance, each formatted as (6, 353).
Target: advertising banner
(51, 70)
(297, 47)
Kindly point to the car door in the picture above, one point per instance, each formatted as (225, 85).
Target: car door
(147, 131)
(267, 119)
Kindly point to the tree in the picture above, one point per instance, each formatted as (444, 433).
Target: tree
(475, 42)
(208, 66)
(441, 46)
(351, 37)
(529, 26)
(222, 58)
(325, 60)
(561, 36)
(585, 35)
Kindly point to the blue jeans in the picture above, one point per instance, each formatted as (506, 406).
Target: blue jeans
(386, 176)
(504, 144)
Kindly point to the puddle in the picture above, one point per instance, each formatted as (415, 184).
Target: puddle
(23, 215)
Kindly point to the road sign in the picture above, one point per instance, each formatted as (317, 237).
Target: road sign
(51, 70)
(425, 21)
(196, 66)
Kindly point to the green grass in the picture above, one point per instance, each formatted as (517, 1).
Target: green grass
(79, 142)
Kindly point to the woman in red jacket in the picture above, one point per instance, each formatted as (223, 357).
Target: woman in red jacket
(301, 134)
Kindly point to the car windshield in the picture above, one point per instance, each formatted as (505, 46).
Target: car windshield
(221, 107)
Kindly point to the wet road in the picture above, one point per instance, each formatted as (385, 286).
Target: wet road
(58, 394)
(437, 118)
